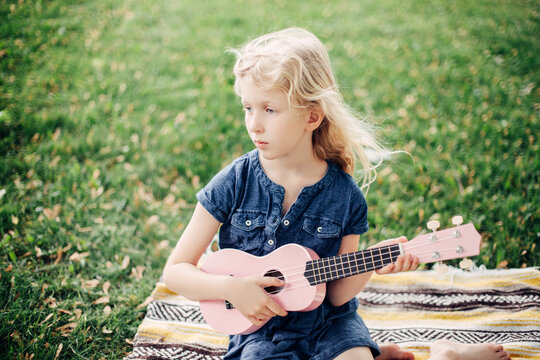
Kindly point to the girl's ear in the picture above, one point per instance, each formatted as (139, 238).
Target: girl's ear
(315, 118)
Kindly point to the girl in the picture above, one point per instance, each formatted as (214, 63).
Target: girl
(296, 186)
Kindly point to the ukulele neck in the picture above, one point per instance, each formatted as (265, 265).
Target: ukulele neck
(338, 267)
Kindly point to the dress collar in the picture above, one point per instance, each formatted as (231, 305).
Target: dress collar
(327, 179)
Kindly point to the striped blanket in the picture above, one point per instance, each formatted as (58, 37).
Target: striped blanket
(411, 309)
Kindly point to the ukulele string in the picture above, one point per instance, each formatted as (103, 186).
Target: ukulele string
(346, 267)
(331, 273)
(417, 244)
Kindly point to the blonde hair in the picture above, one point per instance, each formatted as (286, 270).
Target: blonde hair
(295, 61)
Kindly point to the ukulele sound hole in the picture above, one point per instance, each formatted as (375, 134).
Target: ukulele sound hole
(274, 289)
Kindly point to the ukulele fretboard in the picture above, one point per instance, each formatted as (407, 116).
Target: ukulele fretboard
(338, 267)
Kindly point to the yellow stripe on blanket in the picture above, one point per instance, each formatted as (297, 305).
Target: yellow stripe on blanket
(411, 309)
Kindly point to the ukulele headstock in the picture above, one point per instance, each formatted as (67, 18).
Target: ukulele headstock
(455, 242)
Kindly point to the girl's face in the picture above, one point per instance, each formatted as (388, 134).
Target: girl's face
(277, 129)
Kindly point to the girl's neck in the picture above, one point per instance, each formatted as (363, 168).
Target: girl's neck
(296, 172)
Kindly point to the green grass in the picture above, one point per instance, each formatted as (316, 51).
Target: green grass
(113, 114)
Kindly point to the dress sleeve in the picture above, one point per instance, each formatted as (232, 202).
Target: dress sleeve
(358, 210)
(217, 196)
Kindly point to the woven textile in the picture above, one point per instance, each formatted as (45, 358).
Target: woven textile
(411, 309)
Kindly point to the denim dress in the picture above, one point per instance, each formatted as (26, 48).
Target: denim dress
(249, 206)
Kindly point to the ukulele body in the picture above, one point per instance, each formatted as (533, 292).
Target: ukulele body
(287, 263)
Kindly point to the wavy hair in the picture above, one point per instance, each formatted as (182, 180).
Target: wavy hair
(295, 61)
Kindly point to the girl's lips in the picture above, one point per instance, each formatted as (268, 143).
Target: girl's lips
(260, 144)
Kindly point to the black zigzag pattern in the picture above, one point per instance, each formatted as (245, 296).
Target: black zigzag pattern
(423, 334)
(451, 299)
(151, 351)
(162, 310)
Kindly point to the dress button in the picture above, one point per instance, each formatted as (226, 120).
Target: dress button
(319, 229)
(248, 222)
(286, 222)
(270, 242)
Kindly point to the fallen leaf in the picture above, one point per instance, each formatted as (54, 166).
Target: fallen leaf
(59, 254)
(67, 328)
(125, 262)
(78, 313)
(51, 302)
(106, 331)
(78, 257)
(164, 244)
(46, 319)
(137, 272)
(58, 351)
(107, 310)
(83, 229)
(145, 302)
(106, 287)
(101, 300)
(52, 214)
(9, 268)
(90, 284)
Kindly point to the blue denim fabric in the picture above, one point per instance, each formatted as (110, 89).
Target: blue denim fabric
(249, 206)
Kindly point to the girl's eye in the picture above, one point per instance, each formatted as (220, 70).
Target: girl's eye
(270, 111)
(248, 108)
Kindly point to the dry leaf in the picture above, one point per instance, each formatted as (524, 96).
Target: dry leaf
(58, 351)
(163, 245)
(90, 284)
(502, 264)
(125, 262)
(52, 214)
(107, 310)
(106, 287)
(51, 302)
(56, 134)
(102, 300)
(59, 254)
(106, 331)
(137, 272)
(39, 253)
(67, 328)
(78, 313)
(145, 303)
(83, 229)
(78, 257)
(9, 268)
(46, 319)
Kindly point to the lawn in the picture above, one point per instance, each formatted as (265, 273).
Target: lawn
(113, 114)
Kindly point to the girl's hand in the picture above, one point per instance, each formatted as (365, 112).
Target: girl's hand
(403, 263)
(248, 296)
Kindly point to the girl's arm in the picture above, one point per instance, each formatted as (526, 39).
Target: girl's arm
(341, 291)
(182, 275)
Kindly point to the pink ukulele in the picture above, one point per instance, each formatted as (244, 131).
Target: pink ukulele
(306, 275)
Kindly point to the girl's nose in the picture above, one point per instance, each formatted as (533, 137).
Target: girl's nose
(254, 122)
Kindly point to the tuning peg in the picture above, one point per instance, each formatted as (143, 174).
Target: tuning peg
(441, 268)
(466, 264)
(457, 220)
(433, 225)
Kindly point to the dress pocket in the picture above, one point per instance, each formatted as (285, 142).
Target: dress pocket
(247, 228)
(321, 227)
(320, 234)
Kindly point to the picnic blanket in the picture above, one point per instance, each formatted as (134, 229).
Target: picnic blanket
(412, 309)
